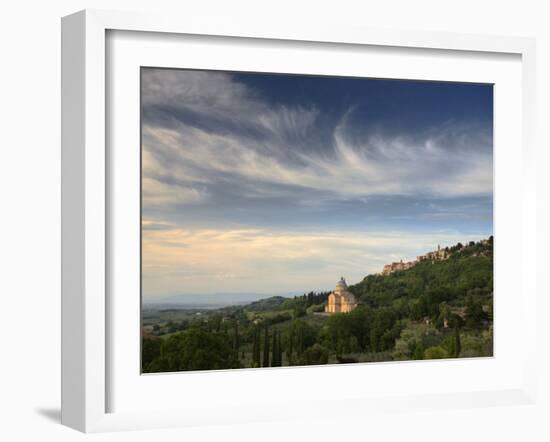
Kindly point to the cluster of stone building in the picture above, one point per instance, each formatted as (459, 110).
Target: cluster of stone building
(437, 255)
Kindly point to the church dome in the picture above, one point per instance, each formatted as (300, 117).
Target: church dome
(341, 284)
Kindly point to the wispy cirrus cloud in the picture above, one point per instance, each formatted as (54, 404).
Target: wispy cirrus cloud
(157, 193)
(377, 165)
(217, 103)
(200, 126)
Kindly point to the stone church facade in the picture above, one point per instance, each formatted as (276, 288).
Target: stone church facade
(340, 300)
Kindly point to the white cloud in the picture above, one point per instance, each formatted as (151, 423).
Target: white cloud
(378, 166)
(271, 144)
(216, 96)
(156, 193)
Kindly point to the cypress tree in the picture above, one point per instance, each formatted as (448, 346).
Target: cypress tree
(280, 350)
(290, 347)
(236, 341)
(266, 348)
(254, 344)
(458, 348)
(300, 345)
(258, 349)
(278, 353)
(274, 362)
(256, 352)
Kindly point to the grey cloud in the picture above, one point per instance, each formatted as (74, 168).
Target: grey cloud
(208, 139)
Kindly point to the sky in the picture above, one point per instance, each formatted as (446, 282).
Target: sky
(279, 184)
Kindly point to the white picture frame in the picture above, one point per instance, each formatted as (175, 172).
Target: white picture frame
(86, 203)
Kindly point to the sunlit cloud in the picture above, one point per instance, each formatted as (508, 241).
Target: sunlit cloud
(157, 193)
(179, 261)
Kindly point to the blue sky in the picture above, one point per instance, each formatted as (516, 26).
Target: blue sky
(262, 183)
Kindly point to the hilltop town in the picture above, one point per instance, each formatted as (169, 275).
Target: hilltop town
(440, 254)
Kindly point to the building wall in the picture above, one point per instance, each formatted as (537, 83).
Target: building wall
(338, 304)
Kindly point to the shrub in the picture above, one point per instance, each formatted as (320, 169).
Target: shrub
(315, 355)
(435, 353)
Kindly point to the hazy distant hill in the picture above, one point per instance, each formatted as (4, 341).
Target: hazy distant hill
(208, 301)
(272, 303)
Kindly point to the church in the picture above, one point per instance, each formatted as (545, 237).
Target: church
(340, 300)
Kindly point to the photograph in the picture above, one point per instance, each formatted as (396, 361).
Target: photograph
(303, 220)
(243, 221)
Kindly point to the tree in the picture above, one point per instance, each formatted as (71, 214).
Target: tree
(435, 353)
(315, 355)
(265, 362)
(256, 352)
(383, 320)
(299, 311)
(236, 340)
(418, 352)
(410, 345)
(444, 313)
(172, 327)
(258, 357)
(457, 342)
(304, 335)
(274, 351)
(195, 349)
(490, 310)
(150, 350)
(290, 347)
(280, 355)
(474, 313)
(277, 350)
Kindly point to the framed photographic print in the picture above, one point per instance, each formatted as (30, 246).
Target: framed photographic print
(273, 221)
(259, 190)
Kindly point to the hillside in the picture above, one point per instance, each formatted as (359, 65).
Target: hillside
(272, 303)
(419, 291)
(435, 308)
